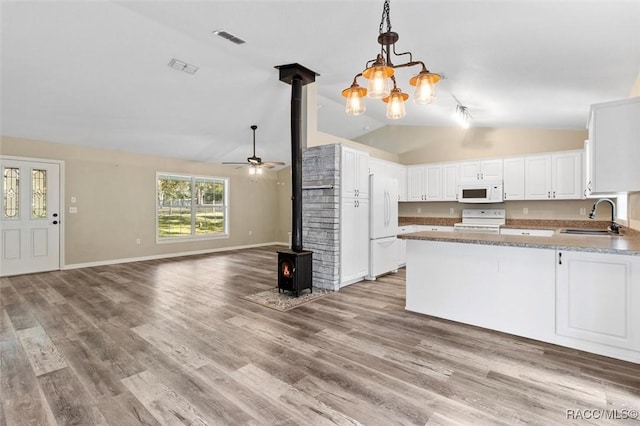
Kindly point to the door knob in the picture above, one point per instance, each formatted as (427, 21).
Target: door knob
(55, 222)
(55, 215)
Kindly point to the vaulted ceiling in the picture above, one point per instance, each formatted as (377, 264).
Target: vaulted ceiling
(95, 73)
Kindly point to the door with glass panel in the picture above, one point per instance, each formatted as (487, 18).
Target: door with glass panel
(30, 217)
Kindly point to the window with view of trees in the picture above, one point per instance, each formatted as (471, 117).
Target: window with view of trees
(190, 206)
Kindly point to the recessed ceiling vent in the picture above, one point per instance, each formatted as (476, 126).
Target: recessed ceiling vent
(228, 36)
(183, 66)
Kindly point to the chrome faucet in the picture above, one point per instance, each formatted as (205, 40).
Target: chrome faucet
(613, 228)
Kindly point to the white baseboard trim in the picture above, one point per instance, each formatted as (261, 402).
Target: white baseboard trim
(165, 256)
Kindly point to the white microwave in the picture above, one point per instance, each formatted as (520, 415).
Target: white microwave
(480, 192)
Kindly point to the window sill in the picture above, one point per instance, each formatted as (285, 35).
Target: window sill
(192, 239)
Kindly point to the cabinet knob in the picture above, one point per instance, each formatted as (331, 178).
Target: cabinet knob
(549, 194)
(554, 194)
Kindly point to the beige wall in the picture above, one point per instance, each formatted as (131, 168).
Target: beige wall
(115, 194)
(284, 204)
(417, 144)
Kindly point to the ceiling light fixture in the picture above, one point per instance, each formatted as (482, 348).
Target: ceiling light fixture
(380, 72)
(462, 114)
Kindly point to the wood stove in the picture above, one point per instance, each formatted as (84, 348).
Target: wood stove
(295, 265)
(295, 271)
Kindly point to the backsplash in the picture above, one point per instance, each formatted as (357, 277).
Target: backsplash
(530, 210)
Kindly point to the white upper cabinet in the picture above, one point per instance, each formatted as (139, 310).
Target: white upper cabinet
(566, 175)
(425, 183)
(614, 146)
(415, 186)
(433, 183)
(538, 177)
(450, 182)
(514, 179)
(481, 170)
(355, 173)
(554, 176)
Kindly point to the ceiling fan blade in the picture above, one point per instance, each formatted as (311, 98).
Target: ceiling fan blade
(232, 162)
(274, 163)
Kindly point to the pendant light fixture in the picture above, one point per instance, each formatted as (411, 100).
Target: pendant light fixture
(380, 73)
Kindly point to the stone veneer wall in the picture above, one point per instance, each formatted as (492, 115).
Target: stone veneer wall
(321, 213)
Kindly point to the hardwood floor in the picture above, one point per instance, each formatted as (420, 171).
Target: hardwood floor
(172, 342)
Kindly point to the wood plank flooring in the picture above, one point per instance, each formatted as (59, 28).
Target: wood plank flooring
(172, 342)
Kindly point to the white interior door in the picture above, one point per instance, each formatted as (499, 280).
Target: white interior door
(30, 217)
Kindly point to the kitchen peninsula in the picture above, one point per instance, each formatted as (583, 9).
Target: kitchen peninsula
(577, 291)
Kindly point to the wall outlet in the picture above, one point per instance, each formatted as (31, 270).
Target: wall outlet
(73, 200)
(250, 232)
(138, 241)
(419, 209)
(583, 211)
(525, 210)
(73, 210)
(451, 210)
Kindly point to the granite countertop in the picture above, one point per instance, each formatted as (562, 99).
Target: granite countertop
(627, 244)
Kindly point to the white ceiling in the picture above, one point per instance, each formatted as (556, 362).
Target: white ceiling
(95, 72)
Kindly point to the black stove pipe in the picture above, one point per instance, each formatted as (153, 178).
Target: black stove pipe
(297, 76)
(296, 164)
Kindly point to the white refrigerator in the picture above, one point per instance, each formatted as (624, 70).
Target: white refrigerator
(383, 225)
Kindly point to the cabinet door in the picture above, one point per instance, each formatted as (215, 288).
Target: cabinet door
(598, 298)
(450, 182)
(491, 169)
(362, 237)
(566, 175)
(415, 183)
(362, 174)
(402, 182)
(354, 173)
(348, 172)
(513, 178)
(537, 177)
(433, 183)
(354, 240)
(614, 131)
(469, 170)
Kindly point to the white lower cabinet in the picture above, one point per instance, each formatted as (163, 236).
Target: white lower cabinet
(354, 240)
(509, 289)
(583, 300)
(598, 298)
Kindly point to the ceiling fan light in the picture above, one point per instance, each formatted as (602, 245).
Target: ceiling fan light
(378, 75)
(395, 104)
(425, 84)
(252, 170)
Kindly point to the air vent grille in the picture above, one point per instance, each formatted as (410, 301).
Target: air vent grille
(228, 36)
(183, 66)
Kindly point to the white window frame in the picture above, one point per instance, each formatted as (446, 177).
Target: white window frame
(193, 236)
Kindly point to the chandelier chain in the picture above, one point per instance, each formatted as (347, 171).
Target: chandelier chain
(385, 14)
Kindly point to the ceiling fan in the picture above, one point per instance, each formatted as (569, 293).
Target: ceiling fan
(256, 162)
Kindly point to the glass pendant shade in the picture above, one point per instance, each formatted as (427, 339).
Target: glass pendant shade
(259, 170)
(395, 104)
(378, 85)
(425, 83)
(252, 170)
(355, 99)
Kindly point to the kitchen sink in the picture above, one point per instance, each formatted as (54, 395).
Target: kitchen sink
(578, 231)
